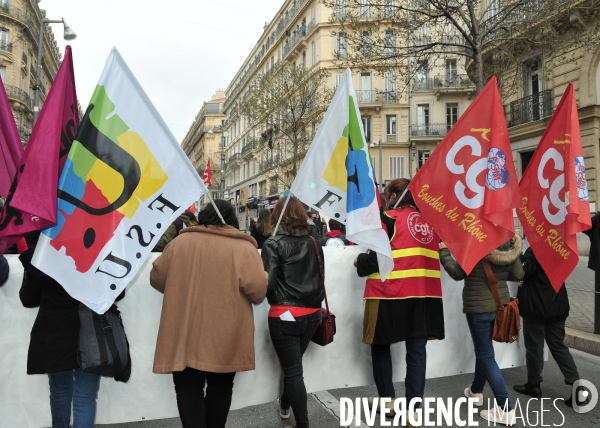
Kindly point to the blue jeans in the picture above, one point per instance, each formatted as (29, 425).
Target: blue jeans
(416, 365)
(486, 368)
(79, 387)
(290, 340)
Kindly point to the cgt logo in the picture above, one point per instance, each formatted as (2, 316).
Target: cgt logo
(109, 172)
(470, 193)
(419, 228)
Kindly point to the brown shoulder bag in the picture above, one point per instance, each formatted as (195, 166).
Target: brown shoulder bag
(326, 330)
(508, 320)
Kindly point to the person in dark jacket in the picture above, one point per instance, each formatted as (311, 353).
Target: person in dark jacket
(295, 293)
(407, 306)
(335, 237)
(480, 308)
(261, 230)
(4, 270)
(186, 219)
(53, 347)
(544, 312)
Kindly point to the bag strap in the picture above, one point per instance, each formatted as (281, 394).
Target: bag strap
(112, 345)
(99, 329)
(493, 283)
(322, 271)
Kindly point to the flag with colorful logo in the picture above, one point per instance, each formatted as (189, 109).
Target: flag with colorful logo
(555, 202)
(468, 187)
(336, 177)
(125, 181)
(207, 176)
(31, 204)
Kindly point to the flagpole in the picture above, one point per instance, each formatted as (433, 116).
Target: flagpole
(401, 197)
(282, 211)
(215, 205)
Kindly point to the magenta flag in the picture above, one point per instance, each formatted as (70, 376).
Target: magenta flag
(10, 144)
(31, 204)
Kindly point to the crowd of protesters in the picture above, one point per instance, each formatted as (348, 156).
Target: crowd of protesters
(206, 332)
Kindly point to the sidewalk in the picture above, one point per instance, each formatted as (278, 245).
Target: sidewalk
(580, 286)
(323, 406)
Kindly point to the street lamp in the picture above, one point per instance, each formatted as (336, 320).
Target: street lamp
(68, 35)
(380, 181)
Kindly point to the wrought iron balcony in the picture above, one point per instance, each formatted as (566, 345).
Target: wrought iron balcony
(368, 96)
(452, 81)
(273, 190)
(390, 97)
(531, 108)
(429, 130)
(423, 84)
(14, 92)
(234, 157)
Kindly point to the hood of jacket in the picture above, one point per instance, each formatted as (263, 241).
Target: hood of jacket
(506, 253)
(227, 231)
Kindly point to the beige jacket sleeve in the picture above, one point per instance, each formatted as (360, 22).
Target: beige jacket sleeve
(253, 283)
(160, 270)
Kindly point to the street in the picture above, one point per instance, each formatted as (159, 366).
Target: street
(323, 407)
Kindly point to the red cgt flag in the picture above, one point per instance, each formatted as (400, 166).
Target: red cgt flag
(31, 204)
(468, 186)
(207, 176)
(555, 204)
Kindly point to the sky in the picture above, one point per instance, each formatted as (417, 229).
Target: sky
(180, 51)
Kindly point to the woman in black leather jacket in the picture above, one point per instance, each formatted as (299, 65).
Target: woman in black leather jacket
(295, 294)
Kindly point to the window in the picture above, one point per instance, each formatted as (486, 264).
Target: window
(390, 124)
(389, 87)
(3, 39)
(389, 8)
(341, 47)
(340, 9)
(365, 94)
(365, 9)
(422, 82)
(304, 60)
(492, 7)
(396, 167)
(3, 73)
(22, 84)
(366, 121)
(451, 115)
(366, 44)
(338, 79)
(451, 73)
(423, 119)
(423, 156)
(313, 13)
(389, 43)
(313, 54)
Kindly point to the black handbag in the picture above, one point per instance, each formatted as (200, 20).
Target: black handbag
(326, 330)
(103, 348)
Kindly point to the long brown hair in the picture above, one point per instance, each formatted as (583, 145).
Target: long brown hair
(295, 219)
(262, 224)
(394, 189)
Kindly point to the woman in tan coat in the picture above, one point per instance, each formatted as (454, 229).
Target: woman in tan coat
(210, 274)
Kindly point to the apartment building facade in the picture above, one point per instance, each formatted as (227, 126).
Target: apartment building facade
(203, 140)
(19, 34)
(407, 124)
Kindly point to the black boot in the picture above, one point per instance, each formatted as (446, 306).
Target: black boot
(529, 389)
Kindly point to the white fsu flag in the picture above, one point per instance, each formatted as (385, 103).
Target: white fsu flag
(336, 177)
(125, 181)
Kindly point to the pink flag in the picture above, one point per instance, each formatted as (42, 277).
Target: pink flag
(10, 144)
(31, 204)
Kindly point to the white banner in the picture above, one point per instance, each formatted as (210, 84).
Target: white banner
(124, 183)
(346, 362)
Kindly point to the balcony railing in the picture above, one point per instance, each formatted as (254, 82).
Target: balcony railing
(429, 130)
(452, 81)
(24, 58)
(8, 47)
(531, 108)
(298, 34)
(14, 92)
(234, 157)
(423, 84)
(390, 97)
(273, 190)
(248, 147)
(367, 96)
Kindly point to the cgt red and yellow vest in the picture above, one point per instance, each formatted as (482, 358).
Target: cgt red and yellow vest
(415, 249)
